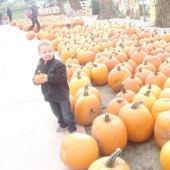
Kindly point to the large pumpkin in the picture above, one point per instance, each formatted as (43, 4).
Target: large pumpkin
(110, 133)
(164, 156)
(138, 121)
(113, 162)
(87, 108)
(78, 151)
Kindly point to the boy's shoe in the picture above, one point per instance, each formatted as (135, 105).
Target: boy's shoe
(60, 129)
(74, 132)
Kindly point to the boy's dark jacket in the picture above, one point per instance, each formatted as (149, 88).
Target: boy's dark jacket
(56, 88)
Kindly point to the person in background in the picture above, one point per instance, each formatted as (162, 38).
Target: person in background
(9, 12)
(1, 23)
(34, 18)
(67, 18)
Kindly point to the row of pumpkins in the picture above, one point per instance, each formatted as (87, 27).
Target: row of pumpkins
(134, 63)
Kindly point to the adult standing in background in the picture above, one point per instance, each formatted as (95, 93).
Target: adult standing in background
(9, 12)
(34, 18)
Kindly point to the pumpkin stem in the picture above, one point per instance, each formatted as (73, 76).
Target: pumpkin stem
(140, 69)
(123, 90)
(120, 100)
(107, 118)
(118, 68)
(145, 62)
(95, 65)
(147, 93)
(150, 86)
(78, 74)
(133, 76)
(137, 104)
(86, 87)
(86, 92)
(156, 72)
(111, 160)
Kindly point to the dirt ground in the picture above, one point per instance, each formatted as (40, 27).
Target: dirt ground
(139, 156)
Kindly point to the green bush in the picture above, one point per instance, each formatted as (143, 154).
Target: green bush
(19, 5)
(95, 7)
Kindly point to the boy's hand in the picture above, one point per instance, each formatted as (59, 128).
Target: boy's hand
(44, 79)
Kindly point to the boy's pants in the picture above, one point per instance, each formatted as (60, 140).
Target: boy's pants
(64, 114)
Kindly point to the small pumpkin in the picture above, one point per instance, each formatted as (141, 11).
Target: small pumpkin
(38, 77)
(126, 94)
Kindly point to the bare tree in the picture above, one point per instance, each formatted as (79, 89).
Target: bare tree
(75, 4)
(108, 10)
(162, 13)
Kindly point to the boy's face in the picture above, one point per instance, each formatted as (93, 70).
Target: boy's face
(46, 52)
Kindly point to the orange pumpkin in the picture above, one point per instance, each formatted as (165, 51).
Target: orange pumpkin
(148, 97)
(162, 128)
(90, 89)
(99, 69)
(164, 156)
(111, 128)
(78, 151)
(156, 78)
(78, 82)
(138, 121)
(117, 76)
(115, 105)
(133, 83)
(91, 108)
(85, 56)
(160, 105)
(126, 94)
(38, 78)
(113, 162)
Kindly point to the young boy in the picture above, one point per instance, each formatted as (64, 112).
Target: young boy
(54, 86)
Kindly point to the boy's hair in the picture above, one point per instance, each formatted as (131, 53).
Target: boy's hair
(44, 43)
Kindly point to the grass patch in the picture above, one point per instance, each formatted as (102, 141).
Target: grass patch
(18, 14)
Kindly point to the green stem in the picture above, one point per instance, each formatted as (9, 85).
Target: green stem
(137, 104)
(111, 160)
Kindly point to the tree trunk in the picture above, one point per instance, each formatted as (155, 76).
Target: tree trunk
(75, 5)
(61, 7)
(163, 13)
(107, 10)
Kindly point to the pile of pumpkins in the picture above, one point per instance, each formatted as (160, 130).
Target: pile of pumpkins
(135, 63)
(49, 25)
